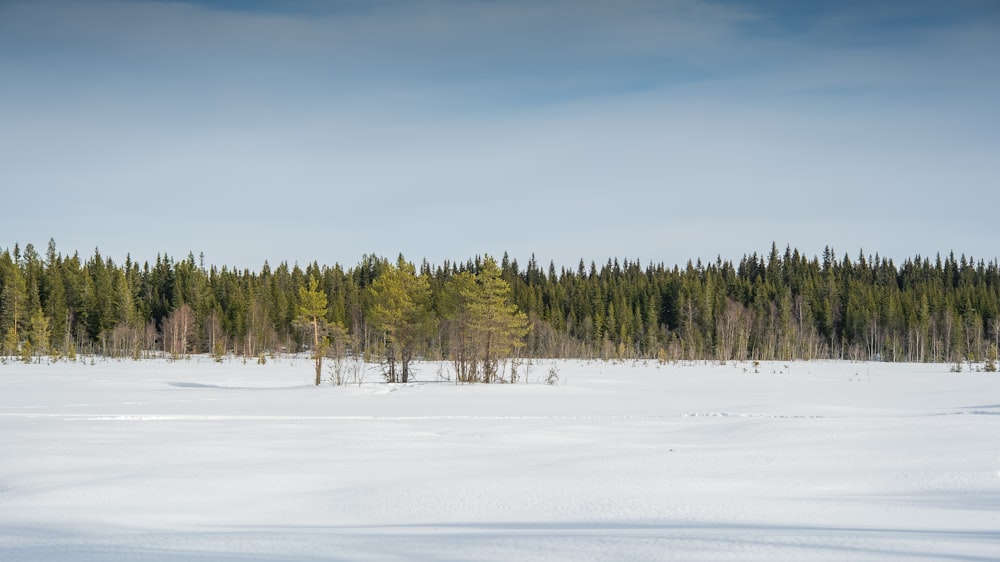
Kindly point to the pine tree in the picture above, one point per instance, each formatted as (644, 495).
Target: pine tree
(312, 310)
(40, 332)
(491, 328)
(401, 309)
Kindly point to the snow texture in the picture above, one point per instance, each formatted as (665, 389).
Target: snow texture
(193, 460)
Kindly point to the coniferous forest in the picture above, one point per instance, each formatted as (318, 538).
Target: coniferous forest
(480, 313)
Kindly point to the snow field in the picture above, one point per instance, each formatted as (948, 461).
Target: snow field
(193, 460)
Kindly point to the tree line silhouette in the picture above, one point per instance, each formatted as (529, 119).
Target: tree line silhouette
(774, 306)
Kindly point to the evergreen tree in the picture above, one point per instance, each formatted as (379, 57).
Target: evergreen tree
(13, 303)
(401, 309)
(491, 328)
(765, 306)
(40, 332)
(312, 310)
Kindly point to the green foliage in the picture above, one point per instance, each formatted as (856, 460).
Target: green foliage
(488, 328)
(10, 343)
(780, 305)
(40, 332)
(13, 302)
(312, 301)
(312, 311)
(401, 309)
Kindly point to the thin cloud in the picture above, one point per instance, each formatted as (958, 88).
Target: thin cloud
(660, 130)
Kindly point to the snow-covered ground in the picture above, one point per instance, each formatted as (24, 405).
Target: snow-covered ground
(194, 460)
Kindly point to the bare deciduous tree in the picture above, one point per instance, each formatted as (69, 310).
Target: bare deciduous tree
(178, 331)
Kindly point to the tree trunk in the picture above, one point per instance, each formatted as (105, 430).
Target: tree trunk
(316, 351)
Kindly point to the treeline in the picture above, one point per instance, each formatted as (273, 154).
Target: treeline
(780, 306)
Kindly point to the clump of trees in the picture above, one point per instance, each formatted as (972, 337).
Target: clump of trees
(484, 328)
(484, 315)
(386, 311)
(402, 312)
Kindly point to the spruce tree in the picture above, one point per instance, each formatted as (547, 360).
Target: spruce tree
(13, 304)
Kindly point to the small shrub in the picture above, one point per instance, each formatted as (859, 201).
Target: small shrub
(553, 377)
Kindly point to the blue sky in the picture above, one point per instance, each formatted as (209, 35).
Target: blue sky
(654, 130)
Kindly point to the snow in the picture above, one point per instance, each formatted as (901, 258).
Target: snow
(196, 460)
